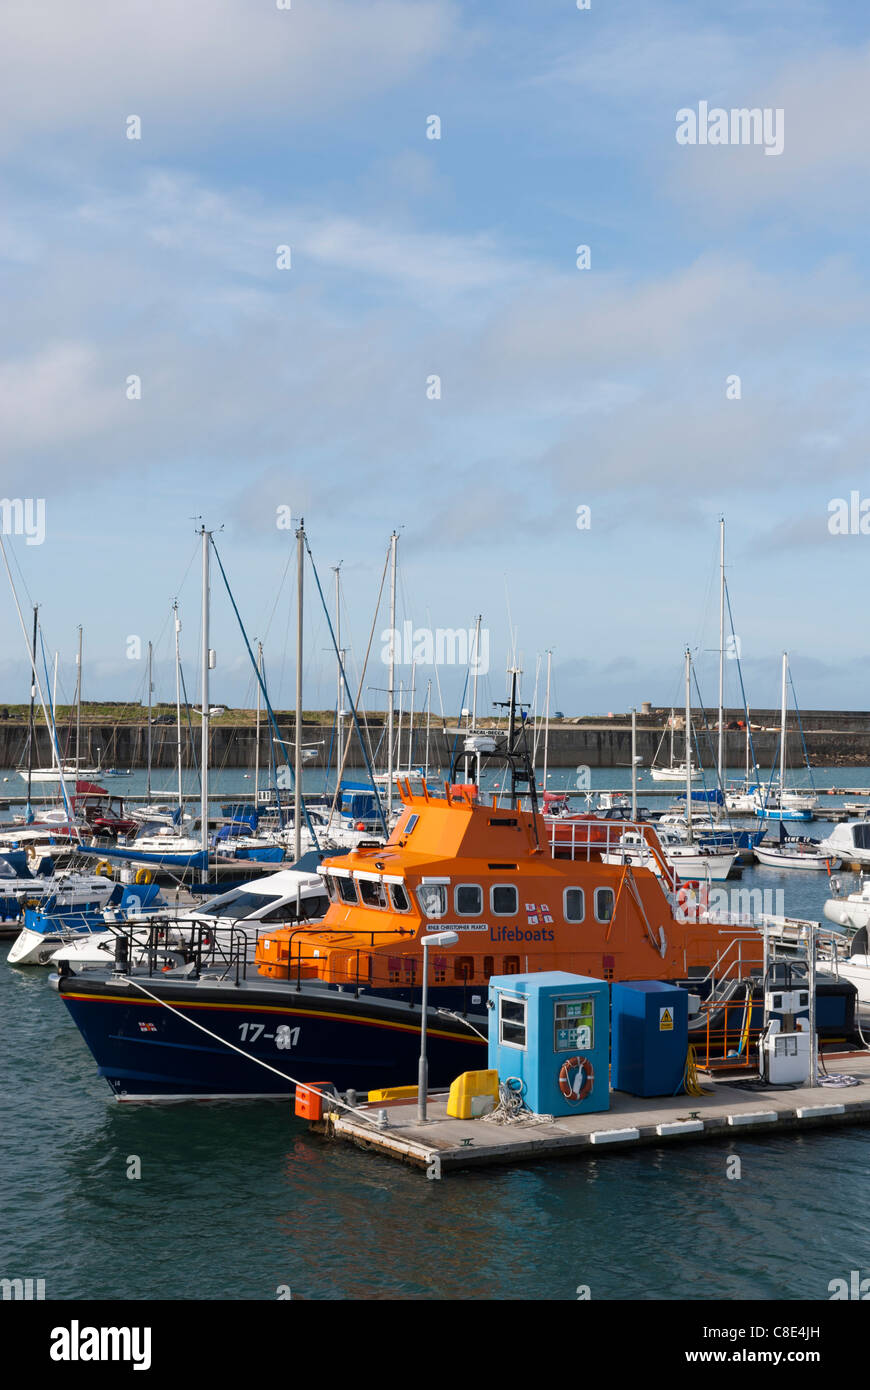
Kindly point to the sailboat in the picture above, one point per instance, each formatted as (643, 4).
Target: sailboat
(395, 773)
(720, 860)
(69, 769)
(740, 796)
(674, 772)
(777, 801)
(793, 852)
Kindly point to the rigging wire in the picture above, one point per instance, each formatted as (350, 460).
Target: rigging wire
(340, 772)
(267, 703)
(369, 767)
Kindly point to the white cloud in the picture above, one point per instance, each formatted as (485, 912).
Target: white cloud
(820, 173)
(582, 378)
(649, 59)
(189, 69)
(236, 233)
(54, 399)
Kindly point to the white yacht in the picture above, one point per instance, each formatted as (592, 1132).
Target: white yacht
(741, 798)
(850, 910)
(612, 801)
(259, 907)
(688, 861)
(794, 852)
(850, 842)
(854, 966)
(674, 774)
(796, 800)
(67, 906)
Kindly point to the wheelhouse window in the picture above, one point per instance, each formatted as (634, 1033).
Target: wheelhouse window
(399, 898)
(331, 887)
(432, 898)
(604, 904)
(372, 894)
(511, 1021)
(347, 890)
(241, 904)
(468, 898)
(861, 836)
(504, 900)
(310, 909)
(574, 905)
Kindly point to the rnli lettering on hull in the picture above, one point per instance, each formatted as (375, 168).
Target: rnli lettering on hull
(456, 926)
(495, 933)
(520, 934)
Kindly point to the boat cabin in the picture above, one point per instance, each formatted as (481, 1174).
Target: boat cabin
(519, 892)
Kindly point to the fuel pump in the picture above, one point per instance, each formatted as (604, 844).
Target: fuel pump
(785, 1047)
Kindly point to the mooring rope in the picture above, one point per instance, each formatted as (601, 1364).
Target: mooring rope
(512, 1108)
(305, 1085)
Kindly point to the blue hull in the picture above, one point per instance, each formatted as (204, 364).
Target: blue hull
(145, 1051)
(726, 839)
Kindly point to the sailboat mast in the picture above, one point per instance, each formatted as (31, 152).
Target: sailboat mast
(720, 759)
(511, 737)
(297, 773)
(257, 745)
(782, 733)
(428, 722)
(31, 735)
(339, 697)
(394, 539)
(55, 751)
(476, 665)
(150, 691)
(547, 717)
(178, 717)
(51, 723)
(78, 702)
(689, 744)
(205, 664)
(747, 747)
(411, 714)
(634, 764)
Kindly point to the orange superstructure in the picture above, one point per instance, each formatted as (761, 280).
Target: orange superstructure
(521, 892)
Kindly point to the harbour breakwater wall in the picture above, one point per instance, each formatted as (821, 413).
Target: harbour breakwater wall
(833, 738)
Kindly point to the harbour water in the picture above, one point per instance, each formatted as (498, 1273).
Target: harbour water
(239, 1201)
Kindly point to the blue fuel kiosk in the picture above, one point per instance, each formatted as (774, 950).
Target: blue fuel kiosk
(649, 1037)
(552, 1031)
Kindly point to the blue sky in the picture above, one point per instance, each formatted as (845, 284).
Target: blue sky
(412, 257)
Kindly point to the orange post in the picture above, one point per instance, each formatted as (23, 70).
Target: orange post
(309, 1103)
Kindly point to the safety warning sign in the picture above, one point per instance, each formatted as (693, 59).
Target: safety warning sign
(666, 1021)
